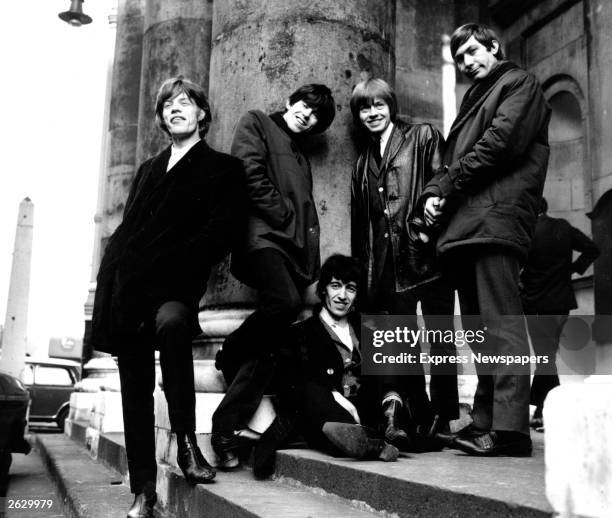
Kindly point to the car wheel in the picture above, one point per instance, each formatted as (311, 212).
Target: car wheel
(61, 418)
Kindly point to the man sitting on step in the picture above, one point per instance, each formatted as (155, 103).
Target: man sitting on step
(321, 392)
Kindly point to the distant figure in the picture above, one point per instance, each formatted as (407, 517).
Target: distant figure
(179, 220)
(547, 290)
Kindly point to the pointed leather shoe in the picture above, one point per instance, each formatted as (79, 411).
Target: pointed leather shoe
(353, 441)
(191, 461)
(469, 432)
(496, 444)
(143, 506)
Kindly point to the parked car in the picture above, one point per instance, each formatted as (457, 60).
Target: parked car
(14, 400)
(50, 383)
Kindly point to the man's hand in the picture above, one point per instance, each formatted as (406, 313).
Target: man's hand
(433, 210)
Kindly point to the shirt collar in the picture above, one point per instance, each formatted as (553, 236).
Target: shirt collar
(384, 138)
(332, 322)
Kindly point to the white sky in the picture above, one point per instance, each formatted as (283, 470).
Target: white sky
(53, 88)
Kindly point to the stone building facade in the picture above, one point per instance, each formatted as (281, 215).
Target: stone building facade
(252, 54)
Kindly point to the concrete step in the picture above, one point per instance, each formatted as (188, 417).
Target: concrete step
(435, 484)
(440, 484)
(86, 488)
(92, 490)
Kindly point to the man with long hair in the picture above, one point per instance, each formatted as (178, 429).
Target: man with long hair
(182, 210)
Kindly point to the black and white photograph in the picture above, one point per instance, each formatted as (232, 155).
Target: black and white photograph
(288, 259)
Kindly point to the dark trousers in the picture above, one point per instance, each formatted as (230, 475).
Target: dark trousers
(487, 282)
(248, 353)
(316, 406)
(545, 332)
(171, 330)
(437, 300)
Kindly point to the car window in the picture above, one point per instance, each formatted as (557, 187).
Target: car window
(52, 376)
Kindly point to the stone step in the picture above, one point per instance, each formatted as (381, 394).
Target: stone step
(438, 484)
(86, 488)
(92, 490)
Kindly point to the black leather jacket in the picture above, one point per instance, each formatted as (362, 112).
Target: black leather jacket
(412, 156)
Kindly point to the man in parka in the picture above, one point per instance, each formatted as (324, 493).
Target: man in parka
(278, 255)
(396, 162)
(482, 206)
(181, 213)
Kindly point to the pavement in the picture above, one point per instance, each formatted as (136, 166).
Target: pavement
(306, 484)
(31, 492)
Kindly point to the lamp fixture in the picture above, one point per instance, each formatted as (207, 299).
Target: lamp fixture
(75, 16)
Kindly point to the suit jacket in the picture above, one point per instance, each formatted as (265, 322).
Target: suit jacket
(412, 156)
(547, 276)
(311, 356)
(176, 226)
(282, 212)
(495, 163)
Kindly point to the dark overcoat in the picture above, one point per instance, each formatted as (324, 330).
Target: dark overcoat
(282, 211)
(412, 156)
(494, 165)
(176, 226)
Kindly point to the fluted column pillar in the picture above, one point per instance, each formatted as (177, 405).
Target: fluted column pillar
(262, 50)
(176, 42)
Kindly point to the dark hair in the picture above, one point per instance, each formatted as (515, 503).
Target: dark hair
(364, 94)
(543, 208)
(175, 86)
(483, 34)
(341, 267)
(320, 99)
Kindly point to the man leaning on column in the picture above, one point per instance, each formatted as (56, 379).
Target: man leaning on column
(181, 214)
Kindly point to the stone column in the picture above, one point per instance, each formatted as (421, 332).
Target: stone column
(176, 42)
(123, 116)
(599, 20)
(117, 163)
(263, 50)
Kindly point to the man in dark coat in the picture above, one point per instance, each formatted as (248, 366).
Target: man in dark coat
(320, 390)
(325, 383)
(482, 205)
(182, 210)
(548, 295)
(279, 255)
(391, 171)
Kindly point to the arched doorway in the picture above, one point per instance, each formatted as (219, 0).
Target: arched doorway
(565, 187)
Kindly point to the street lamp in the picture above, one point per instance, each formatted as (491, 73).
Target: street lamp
(75, 16)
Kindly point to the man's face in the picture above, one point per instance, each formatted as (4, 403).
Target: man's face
(300, 117)
(475, 60)
(376, 117)
(339, 297)
(181, 116)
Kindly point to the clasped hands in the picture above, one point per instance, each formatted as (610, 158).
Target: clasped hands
(432, 212)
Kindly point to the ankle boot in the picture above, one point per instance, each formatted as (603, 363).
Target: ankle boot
(144, 502)
(191, 461)
(393, 433)
(353, 441)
